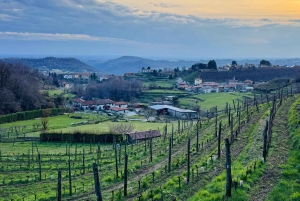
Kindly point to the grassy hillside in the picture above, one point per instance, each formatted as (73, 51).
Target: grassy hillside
(207, 101)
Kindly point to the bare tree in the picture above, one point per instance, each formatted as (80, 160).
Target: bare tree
(44, 119)
(121, 128)
(148, 113)
(44, 122)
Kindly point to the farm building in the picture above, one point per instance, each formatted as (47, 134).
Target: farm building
(137, 136)
(174, 111)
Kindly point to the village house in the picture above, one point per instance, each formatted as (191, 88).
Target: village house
(103, 77)
(119, 110)
(129, 74)
(198, 81)
(96, 104)
(66, 85)
(137, 136)
(85, 76)
(68, 76)
(147, 70)
(121, 104)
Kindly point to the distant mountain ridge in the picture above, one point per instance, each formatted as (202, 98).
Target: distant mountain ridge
(65, 64)
(134, 64)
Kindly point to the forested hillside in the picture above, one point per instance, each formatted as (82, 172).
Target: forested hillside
(20, 89)
(66, 64)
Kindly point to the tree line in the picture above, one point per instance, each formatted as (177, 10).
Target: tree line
(116, 88)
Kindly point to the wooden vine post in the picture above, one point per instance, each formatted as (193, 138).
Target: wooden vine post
(265, 135)
(231, 125)
(98, 153)
(151, 152)
(83, 161)
(27, 158)
(188, 159)
(219, 140)
(216, 123)
(70, 178)
(229, 111)
(239, 128)
(97, 182)
(197, 140)
(40, 167)
(116, 158)
(76, 152)
(247, 112)
(172, 135)
(170, 156)
(59, 186)
(228, 169)
(125, 174)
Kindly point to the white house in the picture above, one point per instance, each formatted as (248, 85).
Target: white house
(198, 81)
(121, 104)
(96, 104)
(119, 110)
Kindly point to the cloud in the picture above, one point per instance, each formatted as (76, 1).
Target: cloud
(257, 41)
(57, 37)
(164, 5)
(101, 25)
(5, 17)
(295, 20)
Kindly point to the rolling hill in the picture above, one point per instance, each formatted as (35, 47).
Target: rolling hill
(64, 64)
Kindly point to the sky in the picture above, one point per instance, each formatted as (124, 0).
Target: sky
(195, 29)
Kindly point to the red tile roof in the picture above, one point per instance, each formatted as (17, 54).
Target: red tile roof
(118, 109)
(120, 103)
(140, 135)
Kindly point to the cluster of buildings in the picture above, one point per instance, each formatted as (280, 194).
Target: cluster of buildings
(76, 76)
(214, 87)
(101, 104)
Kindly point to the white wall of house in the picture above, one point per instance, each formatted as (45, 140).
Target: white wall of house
(121, 106)
(120, 112)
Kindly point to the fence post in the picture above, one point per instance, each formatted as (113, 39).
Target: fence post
(188, 159)
(219, 140)
(169, 162)
(265, 141)
(125, 174)
(97, 182)
(70, 178)
(59, 186)
(228, 168)
(40, 166)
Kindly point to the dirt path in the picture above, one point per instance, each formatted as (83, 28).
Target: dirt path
(262, 187)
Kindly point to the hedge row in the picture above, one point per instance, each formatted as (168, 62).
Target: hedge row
(32, 114)
(79, 137)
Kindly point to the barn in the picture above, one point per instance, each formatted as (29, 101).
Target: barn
(174, 111)
(137, 136)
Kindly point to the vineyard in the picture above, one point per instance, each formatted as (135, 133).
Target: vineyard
(248, 151)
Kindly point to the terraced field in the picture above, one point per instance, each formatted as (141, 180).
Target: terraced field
(181, 165)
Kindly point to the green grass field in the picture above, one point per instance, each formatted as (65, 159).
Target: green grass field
(150, 95)
(207, 101)
(160, 83)
(57, 122)
(104, 127)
